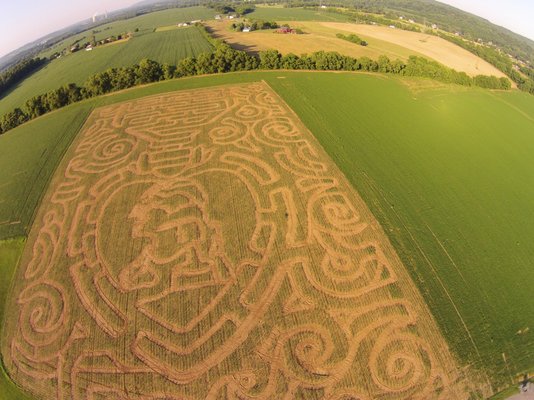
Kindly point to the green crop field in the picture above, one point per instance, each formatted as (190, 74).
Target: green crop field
(164, 47)
(28, 158)
(446, 171)
(448, 174)
(295, 14)
(145, 24)
(10, 252)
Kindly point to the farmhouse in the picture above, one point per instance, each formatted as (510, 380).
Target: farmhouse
(286, 29)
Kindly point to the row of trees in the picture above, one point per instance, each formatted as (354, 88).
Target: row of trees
(19, 72)
(227, 8)
(352, 38)
(498, 59)
(226, 59)
(471, 26)
(254, 25)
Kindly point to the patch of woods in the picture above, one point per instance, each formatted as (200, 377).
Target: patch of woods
(352, 38)
(253, 25)
(223, 59)
(19, 72)
(229, 8)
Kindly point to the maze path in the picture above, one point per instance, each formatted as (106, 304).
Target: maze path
(201, 244)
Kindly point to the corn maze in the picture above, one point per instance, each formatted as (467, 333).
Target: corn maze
(201, 245)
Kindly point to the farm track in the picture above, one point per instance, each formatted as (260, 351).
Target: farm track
(201, 244)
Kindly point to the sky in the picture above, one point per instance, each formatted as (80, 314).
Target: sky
(516, 15)
(28, 20)
(24, 21)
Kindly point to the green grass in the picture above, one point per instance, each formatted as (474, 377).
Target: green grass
(295, 14)
(10, 252)
(447, 171)
(146, 23)
(448, 174)
(505, 394)
(164, 47)
(28, 159)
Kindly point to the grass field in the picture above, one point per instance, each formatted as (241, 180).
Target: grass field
(201, 243)
(295, 14)
(164, 47)
(10, 253)
(145, 24)
(28, 159)
(453, 192)
(448, 176)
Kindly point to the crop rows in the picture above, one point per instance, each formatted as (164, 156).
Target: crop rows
(201, 244)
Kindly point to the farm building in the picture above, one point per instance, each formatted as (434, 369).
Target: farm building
(286, 29)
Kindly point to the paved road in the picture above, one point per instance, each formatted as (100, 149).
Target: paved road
(528, 395)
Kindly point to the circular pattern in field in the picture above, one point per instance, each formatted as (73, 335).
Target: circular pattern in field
(201, 244)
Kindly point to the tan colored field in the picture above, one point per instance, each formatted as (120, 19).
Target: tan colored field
(317, 38)
(394, 43)
(169, 28)
(430, 46)
(202, 245)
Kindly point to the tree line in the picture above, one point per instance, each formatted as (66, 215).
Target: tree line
(227, 8)
(19, 72)
(352, 38)
(253, 25)
(226, 59)
(499, 60)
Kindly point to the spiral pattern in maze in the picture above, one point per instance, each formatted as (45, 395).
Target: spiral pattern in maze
(200, 244)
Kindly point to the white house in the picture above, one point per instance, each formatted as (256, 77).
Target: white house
(246, 29)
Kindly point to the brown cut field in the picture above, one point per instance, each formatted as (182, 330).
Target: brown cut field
(316, 38)
(429, 46)
(202, 245)
(321, 36)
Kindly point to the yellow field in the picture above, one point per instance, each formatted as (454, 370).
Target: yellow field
(429, 46)
(317, 38)
(169, 28)
(201, 244)
(394, 43)
(114, 43)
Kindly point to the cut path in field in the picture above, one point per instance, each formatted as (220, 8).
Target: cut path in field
(430, 46)
(201, 244)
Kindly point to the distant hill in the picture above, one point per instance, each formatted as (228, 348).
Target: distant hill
(452, 19)
(447, 17)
